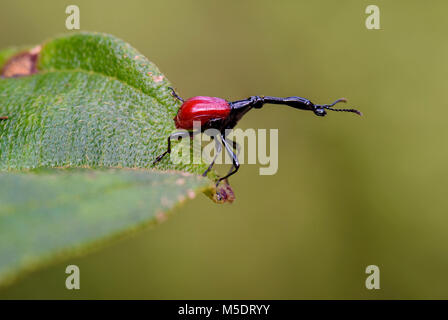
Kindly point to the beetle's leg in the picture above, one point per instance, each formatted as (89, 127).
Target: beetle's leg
(218, 151)
(236, 164)
(214, 125)
(175, 135)
(236, 148)
(235, 145)
(4, 118)
(175, 95)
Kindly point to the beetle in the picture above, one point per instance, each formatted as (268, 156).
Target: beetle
(220, 114)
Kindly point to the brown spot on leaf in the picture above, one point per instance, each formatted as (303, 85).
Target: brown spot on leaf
(36, 50)
(160, 216)
(165, 202)
(191, 194)
(158, 78)
(22, 64)
(180, 182)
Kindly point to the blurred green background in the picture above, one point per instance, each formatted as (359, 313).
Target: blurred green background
(349, 192)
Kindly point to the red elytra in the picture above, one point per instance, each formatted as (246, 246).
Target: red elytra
(201, 109)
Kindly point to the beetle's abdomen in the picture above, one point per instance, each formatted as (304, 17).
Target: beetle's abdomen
(201, 109)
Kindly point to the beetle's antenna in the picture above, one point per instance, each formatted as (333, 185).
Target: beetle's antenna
(175, 95)
(345, 110)
(329, 107)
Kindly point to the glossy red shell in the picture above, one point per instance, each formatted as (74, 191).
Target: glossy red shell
(201, 109)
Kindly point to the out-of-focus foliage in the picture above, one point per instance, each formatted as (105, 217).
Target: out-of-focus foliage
(48, 214)
(92, 101)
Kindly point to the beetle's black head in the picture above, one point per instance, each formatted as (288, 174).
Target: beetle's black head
(320, 110)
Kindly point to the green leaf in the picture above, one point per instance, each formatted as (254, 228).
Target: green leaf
(87, 101)
(94, 102)
(48, 214)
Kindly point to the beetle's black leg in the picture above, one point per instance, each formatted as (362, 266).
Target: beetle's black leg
(175, 135)
(215, 124)
(218, 151)
(236, 147)
(236, 164)
(175, 95)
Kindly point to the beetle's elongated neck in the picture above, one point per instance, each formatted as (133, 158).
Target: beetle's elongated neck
(239, 108)
(295, 102)
(242, 106)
